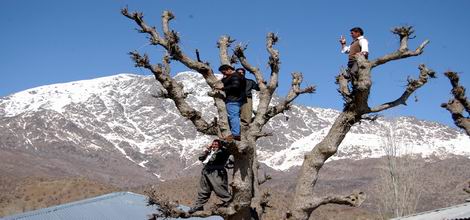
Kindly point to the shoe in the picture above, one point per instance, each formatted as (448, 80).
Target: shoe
(195, 209)
(238, 138)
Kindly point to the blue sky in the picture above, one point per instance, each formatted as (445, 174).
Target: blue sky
(53, 41)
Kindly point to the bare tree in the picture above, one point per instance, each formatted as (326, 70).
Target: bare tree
(399, 185)
(248, 202)
(356, 108)
(459, 104)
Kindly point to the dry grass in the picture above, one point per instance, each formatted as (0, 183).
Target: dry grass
(35, 193)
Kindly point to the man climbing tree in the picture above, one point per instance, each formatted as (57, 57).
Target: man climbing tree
(359, 45)
(234, 88)
(246, 112)
(247, 200)
(213, 175)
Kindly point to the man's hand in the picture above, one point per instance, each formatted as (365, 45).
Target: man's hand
(342, 40)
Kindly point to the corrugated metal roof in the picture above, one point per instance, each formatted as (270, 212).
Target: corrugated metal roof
(457, 212)
(113, 206)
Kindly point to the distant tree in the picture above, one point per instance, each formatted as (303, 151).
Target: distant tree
(248, 202)
(399, 186)
(459, 104)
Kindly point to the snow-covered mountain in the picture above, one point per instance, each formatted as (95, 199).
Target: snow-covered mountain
(122, 121)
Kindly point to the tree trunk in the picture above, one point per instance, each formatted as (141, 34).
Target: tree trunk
(243, 182)
(305, 200)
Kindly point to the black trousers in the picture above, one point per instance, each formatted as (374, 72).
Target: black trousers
(213, 180)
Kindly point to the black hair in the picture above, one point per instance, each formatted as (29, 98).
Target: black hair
(225, 67)
(241, 69)
(357, 29)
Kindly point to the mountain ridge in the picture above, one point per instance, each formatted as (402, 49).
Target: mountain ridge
(124, 115)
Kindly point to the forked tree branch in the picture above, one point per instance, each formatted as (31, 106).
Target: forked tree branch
(293, 93)
(170, 42)
(404, 33)
(459, 104)
(265, 111)
(355, 199)
(223, 44)
(458, 90)
(174, 92)
(412, 86)
(273, 62)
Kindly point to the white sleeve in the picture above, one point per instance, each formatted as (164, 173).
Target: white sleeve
(364, 45)
(345, 49)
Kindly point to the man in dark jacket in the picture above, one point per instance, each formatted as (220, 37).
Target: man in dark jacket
(234, 88)
(247, 107)
(213, 175)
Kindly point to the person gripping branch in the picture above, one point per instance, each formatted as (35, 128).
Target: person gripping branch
(234, 88)
(359, 45)
(213, 175)
(247, 107)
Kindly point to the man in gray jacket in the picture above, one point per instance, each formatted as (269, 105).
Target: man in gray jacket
(246, 111)
(213, 176)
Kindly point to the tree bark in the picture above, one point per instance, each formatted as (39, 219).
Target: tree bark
(459, 104)
(305, 199)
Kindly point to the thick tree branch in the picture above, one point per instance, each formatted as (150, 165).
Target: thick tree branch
(458, 90)
(170, 43)
(459, 104)
(273, 62)
(293, 93)
(343, 87)
(223, 44)
(403, 52)
(413, 85)
(355, 199)
(174, 92)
